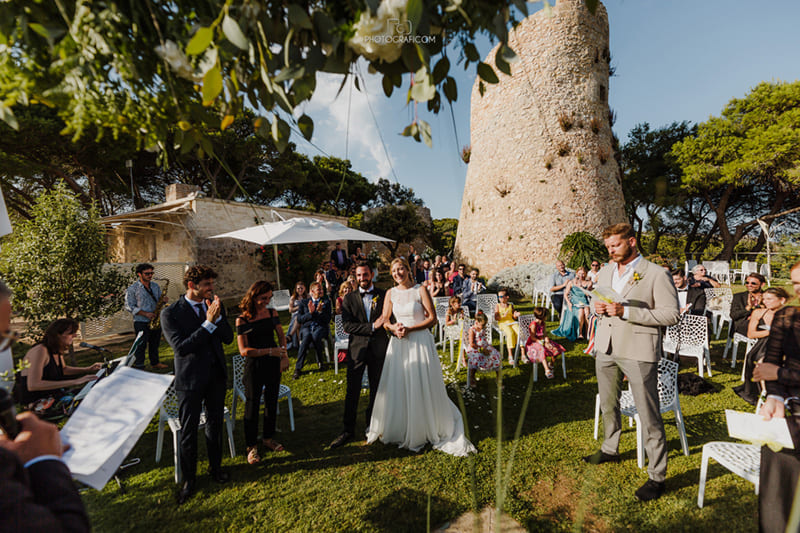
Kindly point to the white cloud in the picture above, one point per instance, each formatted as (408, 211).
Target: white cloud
(331, 131)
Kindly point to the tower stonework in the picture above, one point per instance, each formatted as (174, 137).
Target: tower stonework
(542, 164)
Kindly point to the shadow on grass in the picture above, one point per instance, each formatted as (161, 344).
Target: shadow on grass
(407, 510)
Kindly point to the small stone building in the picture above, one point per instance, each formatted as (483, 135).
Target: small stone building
(178, 231)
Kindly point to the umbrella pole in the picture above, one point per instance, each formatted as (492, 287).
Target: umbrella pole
(277, 270)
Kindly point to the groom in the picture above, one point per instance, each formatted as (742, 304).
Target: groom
(361, 317)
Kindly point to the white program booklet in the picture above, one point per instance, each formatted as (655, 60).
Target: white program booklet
(753, 428)
(109, 421)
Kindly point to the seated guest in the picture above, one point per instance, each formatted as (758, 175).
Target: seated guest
(759, 327)
(595, 270)
(436, 285)
(575, 312)
(360, 256)
(470, 289)
(451, 273)
(780, 471)
(445, 263)
(345, 289)
(315, 319)
(700, 278)
(505, 317)
(457, 285)
(558, 281)
(264, 361)
(298, 295)
(691, 299)
(45, 374)
(321, 278)
(744, 303)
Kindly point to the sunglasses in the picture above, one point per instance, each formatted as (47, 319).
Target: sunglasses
(503, 296)
(752, 283)
(7, 338)
(147, 273)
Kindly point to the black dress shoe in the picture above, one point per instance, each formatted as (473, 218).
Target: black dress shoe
(296, 374)
(651, 490)
(600, 457)
(220, 476)
(185, 492)
(342, 439)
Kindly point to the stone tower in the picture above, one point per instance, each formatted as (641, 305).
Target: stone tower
(542, 164)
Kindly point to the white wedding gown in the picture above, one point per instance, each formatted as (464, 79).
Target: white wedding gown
(412, 407)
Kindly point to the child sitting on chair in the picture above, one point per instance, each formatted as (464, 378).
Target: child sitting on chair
(480, 354)
(538, 347)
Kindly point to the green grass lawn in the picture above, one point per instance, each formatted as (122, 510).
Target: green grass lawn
(381, 488)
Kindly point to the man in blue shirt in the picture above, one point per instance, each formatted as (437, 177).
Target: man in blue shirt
(558, 281)
(141, 300)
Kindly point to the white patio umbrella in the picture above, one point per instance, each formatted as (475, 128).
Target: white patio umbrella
(298, 230)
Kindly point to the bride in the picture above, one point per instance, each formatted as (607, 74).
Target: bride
(411, 406)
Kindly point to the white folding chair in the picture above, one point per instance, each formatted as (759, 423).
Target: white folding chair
(238, 390)
(168, 414)
(524, 322)
(280, 300)
(689, 338)
(733, 344)
(440, 305)
(342, 341)
(718, 303)
(744, 460)
(486, 302)
(747, 268)
(667, 399)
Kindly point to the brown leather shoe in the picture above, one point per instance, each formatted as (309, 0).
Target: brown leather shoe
(159, 366)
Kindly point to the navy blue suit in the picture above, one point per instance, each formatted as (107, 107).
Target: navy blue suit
(200, 377)
(314, 327)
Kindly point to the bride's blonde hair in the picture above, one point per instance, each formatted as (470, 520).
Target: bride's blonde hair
(402, 261)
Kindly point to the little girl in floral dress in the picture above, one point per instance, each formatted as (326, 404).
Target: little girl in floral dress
(480, 354)
(538, 347)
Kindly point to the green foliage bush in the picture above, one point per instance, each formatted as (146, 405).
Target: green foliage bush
(56, 263)
(581, 248)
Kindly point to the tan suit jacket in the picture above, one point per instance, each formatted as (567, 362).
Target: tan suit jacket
(652, 302)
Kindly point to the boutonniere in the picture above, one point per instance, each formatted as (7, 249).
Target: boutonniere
(374, 302)
(636, 278)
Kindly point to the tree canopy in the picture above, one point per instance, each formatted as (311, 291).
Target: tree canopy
(55, 263)
(745, 164)
(145, 69)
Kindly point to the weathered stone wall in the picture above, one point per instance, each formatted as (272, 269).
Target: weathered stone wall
(186, 239)
(542, 163)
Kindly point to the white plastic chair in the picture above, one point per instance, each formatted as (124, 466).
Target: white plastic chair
(440, 305)
(733, 344)
(168, 414)
(280, 300)
(238, 390)
(668, 401)
(689, 338)
(718, 303)
(747, 268)
(486, 302)
(766, 272)
(342, 341)
(744, 460)
(452, 334)
(541, 291)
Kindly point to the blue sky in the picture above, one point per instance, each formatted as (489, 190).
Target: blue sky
(675, 60)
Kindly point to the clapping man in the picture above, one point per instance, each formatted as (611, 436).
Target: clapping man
(36, 486)
(141, 300)
(744, 303)
(196, 326)
(314, 317)
(470, 289)
(362, 320)
(627, 341)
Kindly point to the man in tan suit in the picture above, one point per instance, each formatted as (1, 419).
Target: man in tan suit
(627, 341)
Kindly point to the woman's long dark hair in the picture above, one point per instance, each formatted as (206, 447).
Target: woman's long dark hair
(56, 328)
(248, 304)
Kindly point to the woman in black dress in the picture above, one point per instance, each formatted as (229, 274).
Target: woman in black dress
(781, 373)
(46, 375)
(264, 362)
